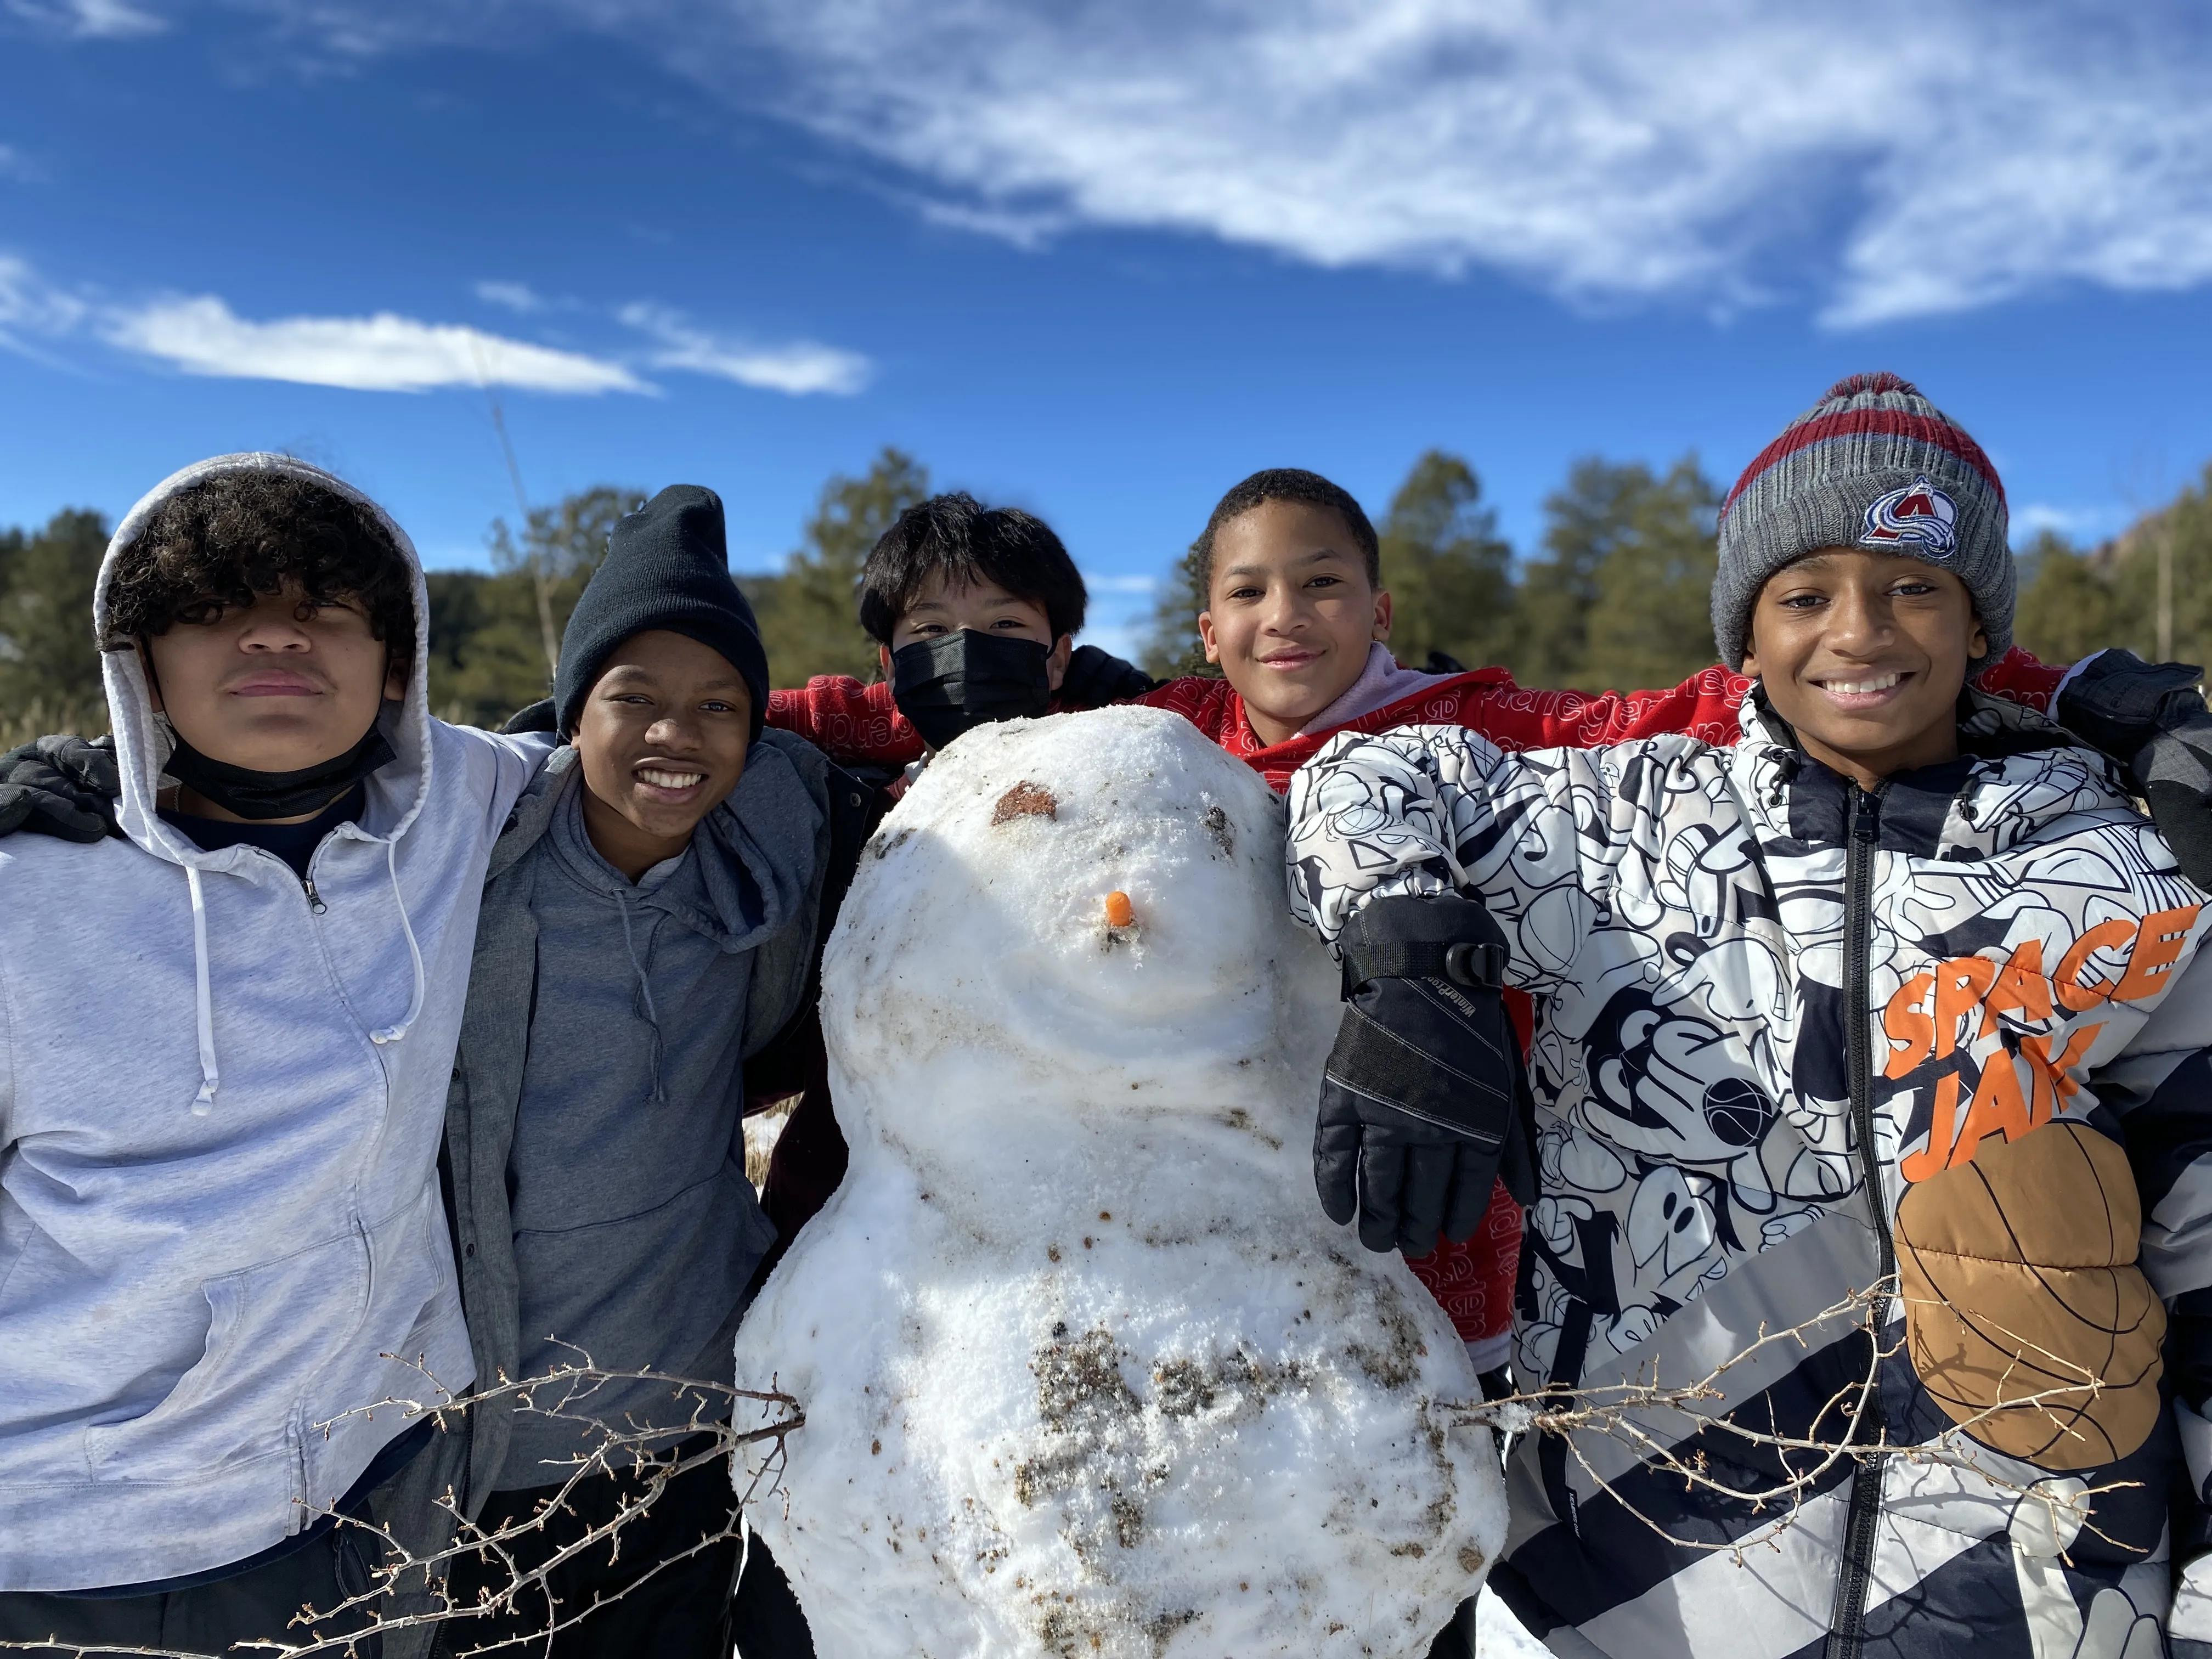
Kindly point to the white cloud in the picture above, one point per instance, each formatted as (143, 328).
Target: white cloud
(1883, 159)
(517, 297)
(2075, 523)
(1102, 584)
(1889, 159)
(383, 353)
(1901, 157)
(90, 20)
(796, 368)
(31, 305)
(14, 164)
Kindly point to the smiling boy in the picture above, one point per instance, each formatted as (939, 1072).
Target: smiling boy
(649, 925)
(1880, 1006)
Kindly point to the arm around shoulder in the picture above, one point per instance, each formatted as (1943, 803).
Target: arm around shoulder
(495, 766)
(848, 721)
(1428, 810)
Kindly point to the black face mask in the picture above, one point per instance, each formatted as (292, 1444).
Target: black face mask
(957, 681)
(259, 796)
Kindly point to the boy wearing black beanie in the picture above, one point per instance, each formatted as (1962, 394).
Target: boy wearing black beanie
(649, 924)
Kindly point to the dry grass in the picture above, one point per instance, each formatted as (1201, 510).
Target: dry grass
(760, 1130)
(38, 717)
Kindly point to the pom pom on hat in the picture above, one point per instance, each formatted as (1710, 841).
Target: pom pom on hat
(1873, 465)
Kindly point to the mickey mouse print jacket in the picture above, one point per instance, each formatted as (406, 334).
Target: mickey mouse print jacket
(1914, 1074)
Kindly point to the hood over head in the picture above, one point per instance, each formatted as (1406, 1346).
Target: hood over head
(396, 790)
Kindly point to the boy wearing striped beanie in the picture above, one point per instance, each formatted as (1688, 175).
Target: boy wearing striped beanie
(1873, 465)
(1870, 1087)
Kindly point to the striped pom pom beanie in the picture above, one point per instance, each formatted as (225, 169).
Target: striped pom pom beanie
(1874, 464)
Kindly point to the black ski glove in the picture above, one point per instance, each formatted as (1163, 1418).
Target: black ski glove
(1096, 678)
(1424, 1094)
(61, 787)
(2151, 718)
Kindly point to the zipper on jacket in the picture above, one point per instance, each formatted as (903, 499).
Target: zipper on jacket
(314, 899)
(1862, 829)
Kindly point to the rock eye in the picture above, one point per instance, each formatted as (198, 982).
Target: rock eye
(1025, 800)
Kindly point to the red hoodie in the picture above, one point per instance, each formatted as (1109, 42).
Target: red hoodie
(1473, 1281)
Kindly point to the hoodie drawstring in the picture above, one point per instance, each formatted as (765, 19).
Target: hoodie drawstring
(393, 1033)
(645, 990)
(211, 1079)
(203, 1006)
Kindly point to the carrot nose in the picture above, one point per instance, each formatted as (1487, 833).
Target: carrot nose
(1120, 913)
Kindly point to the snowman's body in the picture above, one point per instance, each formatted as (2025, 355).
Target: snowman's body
(1085, 1369)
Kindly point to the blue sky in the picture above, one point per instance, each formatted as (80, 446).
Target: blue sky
(1099, 260)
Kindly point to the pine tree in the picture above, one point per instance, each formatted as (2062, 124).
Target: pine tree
(809, 612)
(488, 632)
(1448, 572)
(1623, 600)
(50, 664)
(1172, 647)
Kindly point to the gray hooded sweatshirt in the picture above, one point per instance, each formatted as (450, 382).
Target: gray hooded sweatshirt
(636, 1229)
(598, 1192)
(221, 1245)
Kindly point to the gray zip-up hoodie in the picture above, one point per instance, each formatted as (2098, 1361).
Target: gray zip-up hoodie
(221, 1247)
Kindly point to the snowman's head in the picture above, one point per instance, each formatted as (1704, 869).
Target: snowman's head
(1089, 904)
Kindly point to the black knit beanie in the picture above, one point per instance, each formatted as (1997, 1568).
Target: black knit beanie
(667, 566)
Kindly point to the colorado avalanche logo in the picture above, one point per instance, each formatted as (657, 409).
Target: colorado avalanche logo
(1919, 514)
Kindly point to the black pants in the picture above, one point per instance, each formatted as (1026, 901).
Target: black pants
(210, 1618)
(766, 1621)
(680, 1611)
(1457, 1641)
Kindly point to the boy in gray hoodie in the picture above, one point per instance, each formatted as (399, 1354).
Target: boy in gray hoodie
(226, 1036)
(649, 926)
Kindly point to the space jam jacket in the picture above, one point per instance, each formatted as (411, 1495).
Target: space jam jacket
(1793, 1038)
(1472, 1280)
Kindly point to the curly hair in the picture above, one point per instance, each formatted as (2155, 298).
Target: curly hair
(221, 542)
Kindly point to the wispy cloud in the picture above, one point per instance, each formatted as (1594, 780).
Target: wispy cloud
(386, 352)
(1889, 159)
(1900, 158)
(2076, 522)
(200, 334)
(1885, 160)
(15, 165)
(90, 20)
(517, 297)
(1098, 583)
(30, 306)
(796, 367)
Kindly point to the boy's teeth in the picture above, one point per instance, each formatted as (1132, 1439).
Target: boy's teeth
(1848, 688)
(660, 779)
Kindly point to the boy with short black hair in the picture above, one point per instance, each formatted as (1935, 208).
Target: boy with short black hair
(229, 1032)
(1877, 1006)
(974, 611)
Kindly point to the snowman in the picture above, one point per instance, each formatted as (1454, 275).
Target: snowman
(1085, 1371)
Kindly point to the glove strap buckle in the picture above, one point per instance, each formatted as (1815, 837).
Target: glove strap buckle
(1479, 967)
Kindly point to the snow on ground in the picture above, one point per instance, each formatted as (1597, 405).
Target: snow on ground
(1084, 1367)
(1499, 1635)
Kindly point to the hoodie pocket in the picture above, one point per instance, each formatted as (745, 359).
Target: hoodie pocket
(269, 1329)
